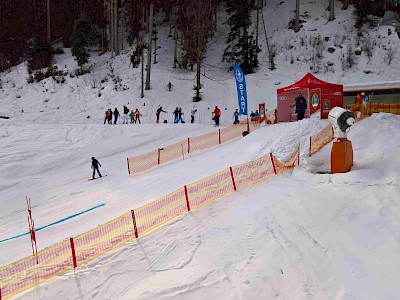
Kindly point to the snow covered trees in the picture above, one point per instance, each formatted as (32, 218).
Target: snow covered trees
(241, 49)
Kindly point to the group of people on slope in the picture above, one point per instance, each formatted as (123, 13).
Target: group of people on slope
(134, 116)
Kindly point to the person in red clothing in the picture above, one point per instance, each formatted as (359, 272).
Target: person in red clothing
(217, 114)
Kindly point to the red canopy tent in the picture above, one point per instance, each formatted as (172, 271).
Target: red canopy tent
(319, 95)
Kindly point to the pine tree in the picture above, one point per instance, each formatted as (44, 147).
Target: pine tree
(85, 33)
(241, 49)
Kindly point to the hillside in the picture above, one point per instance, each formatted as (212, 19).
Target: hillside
(78, 98)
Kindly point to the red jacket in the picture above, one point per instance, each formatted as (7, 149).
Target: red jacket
(217, 112)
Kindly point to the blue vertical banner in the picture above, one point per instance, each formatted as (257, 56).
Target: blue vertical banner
(241, 89)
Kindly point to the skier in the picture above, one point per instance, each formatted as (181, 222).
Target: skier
(132, 115)
(116, 115)
(110, 114)
(236, 116)
(125, 116)
(217, 115)
(137, 115)
(106, 116)
(176, 115)
(180, 116)
(95, 167)
(169, 85)
(158, 112)
(192, 113)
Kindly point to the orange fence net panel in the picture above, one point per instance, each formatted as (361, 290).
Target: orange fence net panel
(160, 211)
(204, 141)
(319, 140)
(143, 162)
(253, 172)
(210, 188)
(25, 273)
(232, 132)
(174, 151)
(104, 238)
(289, 163)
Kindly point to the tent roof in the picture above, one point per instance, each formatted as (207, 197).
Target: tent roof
(309, 81)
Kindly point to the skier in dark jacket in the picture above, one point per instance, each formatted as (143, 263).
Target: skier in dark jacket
(110, 114)
(116, 115)
(158, 112)
(176, 115)
(301, 105)
(95, 167)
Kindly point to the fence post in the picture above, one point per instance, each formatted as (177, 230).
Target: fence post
(273, 163)
(298, 155)
(71, 240)
(158, 156)
(187, 198)
(129, 170)
(309, 152)
(233, 178)
(219, 136)
(0, 293)
(134, 223)
(188, 145)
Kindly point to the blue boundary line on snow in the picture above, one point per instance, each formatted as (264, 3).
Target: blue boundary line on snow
(55, 223)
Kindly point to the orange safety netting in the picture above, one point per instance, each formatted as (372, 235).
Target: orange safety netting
(210, 188)
(172, 152)
(21, 275)
(26, 273)
(319, 140)
(143, 162)
(232, 132)
(102, 239)
(376, 107)
(253, 172)
(178, 150)
(160, 211)
(289, 163)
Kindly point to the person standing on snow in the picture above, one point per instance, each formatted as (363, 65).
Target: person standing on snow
(106, 116)
(176, 115)
(217, 115)
(95, 167)
(116, 115)
(301, 105)
(132, 115)
(169, 85)
(192, 113)
(158, 112)
(236, 116)
(125, 116)
(110, 114)
(137, 116)
(180, 116)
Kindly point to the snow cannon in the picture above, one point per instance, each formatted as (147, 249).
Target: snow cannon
(342, 150)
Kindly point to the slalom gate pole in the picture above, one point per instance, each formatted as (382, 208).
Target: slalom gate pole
(71, 241)
(32, 229)
(158, 156)
(298, 155)
(309, 151)
(219, 136)
(188, 145)
(134, 223)
(273, 163)
(187, 198)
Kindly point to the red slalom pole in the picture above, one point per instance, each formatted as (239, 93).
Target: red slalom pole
(31, 224)
(71, 240)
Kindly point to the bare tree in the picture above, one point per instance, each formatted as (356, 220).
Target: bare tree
(345, 4)
(297, 18)
(198, 28)
(149, 46)
(331, 9)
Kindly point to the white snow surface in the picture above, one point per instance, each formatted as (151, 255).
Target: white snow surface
(299, 235)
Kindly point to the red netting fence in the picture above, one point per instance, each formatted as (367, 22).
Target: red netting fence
(179, 150)
(69, 254)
